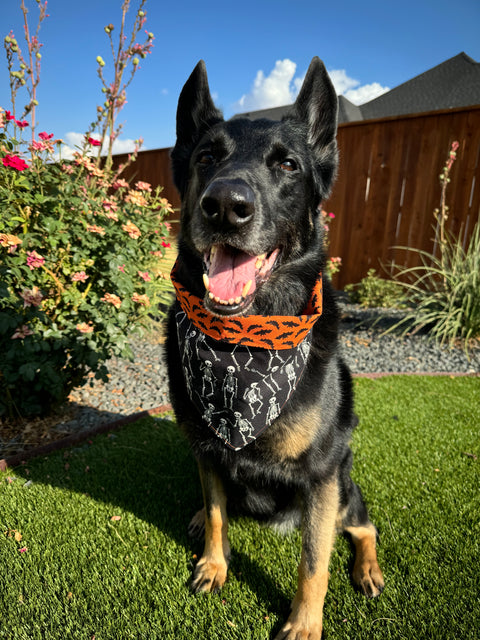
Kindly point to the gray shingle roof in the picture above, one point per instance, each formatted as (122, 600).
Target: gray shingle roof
(453, 83)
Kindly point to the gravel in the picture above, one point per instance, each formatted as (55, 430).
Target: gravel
(142, 384)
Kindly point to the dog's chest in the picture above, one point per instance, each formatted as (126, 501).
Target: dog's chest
(238, 390)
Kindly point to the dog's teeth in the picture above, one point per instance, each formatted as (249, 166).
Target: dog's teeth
(206, 281)
(238, 300)
(246, 288)
(258, 264)
(231, 301)
(211, 296)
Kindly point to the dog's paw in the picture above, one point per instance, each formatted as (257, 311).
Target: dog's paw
(368, 576)
(296, 630)
(209, 575)
(196, 528)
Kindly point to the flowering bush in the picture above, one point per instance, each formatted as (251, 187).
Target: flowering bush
(333, 264)
(78, 252)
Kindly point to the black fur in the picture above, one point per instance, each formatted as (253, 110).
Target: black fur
(288, 168)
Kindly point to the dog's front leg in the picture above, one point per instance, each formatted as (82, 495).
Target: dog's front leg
(318, 535)
(211, 570)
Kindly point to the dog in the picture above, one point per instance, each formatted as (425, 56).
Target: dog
(256, 379)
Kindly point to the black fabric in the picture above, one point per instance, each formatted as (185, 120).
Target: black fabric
(238, 390)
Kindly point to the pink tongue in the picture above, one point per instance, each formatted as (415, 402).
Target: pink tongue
(229, 272)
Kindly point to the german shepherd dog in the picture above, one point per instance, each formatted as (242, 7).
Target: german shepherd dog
(256, 379)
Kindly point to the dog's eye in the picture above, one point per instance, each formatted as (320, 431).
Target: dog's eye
(206, 159)
(288, 165)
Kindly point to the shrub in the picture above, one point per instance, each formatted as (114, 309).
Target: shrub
(334, 263)
(78, 253)
(373, 291)
(444, 290)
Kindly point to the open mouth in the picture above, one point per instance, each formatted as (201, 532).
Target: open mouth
(232, 277)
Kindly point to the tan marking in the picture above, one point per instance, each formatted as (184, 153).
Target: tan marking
(366, 571)
(305, 620)
(211, 570)
(293, 436)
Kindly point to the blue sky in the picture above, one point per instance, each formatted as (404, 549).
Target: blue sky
(256, 54)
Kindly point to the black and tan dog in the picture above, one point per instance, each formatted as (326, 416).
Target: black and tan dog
(256, 379)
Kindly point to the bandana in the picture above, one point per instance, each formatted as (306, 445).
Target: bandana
(240, 372)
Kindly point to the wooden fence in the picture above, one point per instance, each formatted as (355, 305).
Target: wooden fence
(387, 187)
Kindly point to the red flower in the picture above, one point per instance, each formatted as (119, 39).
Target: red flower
(45, 136)
(21, 123)
(9, 116)
(15, 163)
(94, 142)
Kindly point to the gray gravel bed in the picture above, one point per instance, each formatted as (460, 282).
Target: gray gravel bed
(142, 384)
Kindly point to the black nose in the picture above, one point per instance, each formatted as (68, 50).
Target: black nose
(228, 203)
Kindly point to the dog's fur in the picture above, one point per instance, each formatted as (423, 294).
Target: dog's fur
(266, 181)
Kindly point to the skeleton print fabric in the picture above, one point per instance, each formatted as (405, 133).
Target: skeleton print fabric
(239, 390)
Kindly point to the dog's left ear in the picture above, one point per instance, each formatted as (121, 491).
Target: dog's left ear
(196, 113)
(317, 107)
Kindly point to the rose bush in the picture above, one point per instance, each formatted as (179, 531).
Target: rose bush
(79, 248)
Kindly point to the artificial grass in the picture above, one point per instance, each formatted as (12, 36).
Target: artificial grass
(77, 573)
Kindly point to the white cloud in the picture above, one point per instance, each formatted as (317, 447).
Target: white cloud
(275, 90)
(281, 87)
(365, 93)
(74, 142)
(353, 90)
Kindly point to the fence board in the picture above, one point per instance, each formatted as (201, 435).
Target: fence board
(387, 186)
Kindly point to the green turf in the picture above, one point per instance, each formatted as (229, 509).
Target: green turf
(84, 575)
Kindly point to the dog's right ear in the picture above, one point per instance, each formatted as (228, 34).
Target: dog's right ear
(196, 113)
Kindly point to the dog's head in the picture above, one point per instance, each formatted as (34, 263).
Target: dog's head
(251, 192)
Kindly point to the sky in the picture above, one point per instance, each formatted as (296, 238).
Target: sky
(256, 52)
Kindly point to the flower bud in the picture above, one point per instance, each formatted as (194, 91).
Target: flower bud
(38, 55)
(150, 36)
(141, 14)
(135, 61)
(35, 102)
(100, 61)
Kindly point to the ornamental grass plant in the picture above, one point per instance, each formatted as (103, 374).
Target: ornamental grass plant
(443, 291)
(79, 245)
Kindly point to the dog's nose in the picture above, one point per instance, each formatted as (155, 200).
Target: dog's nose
(228, 203)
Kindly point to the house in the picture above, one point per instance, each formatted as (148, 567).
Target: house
(453, 83)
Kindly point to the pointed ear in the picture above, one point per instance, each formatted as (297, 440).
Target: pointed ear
(316, 109)
(196, 113)
(317, 105)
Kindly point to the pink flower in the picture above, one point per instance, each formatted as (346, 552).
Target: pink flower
(112, 299)
(84, 327)
(143, 186)
(122, 268)
(15, 162)
(145, 276)
(120, 184)
(94, 228)
(67, 168)
(39, 146)
(23, 549)
(31, 297)
(93, 141)
(132, 230)
(8, 115)
(80, 276)
(167, 245)
(135, 197)
(21, 123)
(109, 204)
(22, 332)
(45, 136)
(34, 260)
(141, 299)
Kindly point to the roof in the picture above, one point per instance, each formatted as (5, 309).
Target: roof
(453, 83)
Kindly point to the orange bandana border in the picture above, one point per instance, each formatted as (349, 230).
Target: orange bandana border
(265, 332)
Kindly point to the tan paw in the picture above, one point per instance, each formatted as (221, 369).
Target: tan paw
(296, 630)
(209, 575)
(368, 576)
